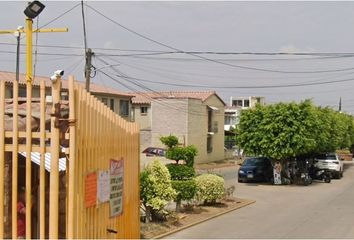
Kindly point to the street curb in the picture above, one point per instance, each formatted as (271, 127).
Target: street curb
(215, 167)
(248, 202)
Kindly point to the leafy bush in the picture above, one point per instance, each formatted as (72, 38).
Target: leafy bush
(209, 187)
(169, 141)
(175, 153)
(180, 171)
(185, 189)
(189, 154)
(155, 188)
(178, 153)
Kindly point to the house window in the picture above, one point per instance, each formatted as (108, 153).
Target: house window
(210, 112)
(143, 110)
(124, 108)
(105, 101)
(111, 105)
(246, 103)
(209, 144)
(237, 103)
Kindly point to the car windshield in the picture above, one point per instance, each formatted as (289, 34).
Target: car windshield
(327, 157)
(254, 162)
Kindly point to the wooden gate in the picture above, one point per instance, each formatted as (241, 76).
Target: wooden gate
(91, 137)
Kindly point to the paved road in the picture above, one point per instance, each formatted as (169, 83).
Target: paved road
(317, 211)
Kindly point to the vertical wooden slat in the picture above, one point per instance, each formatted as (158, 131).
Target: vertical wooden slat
(72, 162)
(28, 160)
(14, 159)
(2, 155)
(42, 162)
(54, 168)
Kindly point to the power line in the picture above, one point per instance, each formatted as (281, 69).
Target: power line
(60, 16)
(158, 101)
(46, 53)
(149, 70)
(205, 58)
(239, 87)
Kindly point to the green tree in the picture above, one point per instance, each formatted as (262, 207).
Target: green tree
(286, 130)
(177, 153)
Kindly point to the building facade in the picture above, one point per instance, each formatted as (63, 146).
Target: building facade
(196, 118)
(237, 104)
(119, 102)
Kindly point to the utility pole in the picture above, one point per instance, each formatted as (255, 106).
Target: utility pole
(340, 104)
(88, 65)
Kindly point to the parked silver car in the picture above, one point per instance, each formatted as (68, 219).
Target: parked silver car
(331, 162)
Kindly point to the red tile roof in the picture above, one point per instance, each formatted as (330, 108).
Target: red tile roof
(9, 77)
(147, 97)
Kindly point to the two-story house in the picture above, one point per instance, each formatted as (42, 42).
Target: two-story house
(237, 104)
(118, 101)
(194, 117)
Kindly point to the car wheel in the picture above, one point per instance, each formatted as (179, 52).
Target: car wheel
(341, 174)
(239, 180)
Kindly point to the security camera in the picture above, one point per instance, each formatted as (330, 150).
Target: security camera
(57, 74)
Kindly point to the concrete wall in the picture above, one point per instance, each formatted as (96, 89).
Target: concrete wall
(198, 128)
(188, 120)
(217, 137)
(116, 104)
(169, 116)
(144, 120)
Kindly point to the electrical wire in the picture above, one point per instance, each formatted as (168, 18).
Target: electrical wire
(149, 70)
(59, 16)
(45, 53)
(239, 87)
(156, 93)
(208, 59)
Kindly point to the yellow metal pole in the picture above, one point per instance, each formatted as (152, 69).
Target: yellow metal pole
(28, 125)
(72, 162)
(2, 155)
(54, 167)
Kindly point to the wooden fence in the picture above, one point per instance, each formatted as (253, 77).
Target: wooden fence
(94, 139)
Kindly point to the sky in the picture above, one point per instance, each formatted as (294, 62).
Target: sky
(231, 27)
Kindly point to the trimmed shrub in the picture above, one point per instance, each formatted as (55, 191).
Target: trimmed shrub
(209, 187)
(180, 171)
(156, 188)
(175, 153)
(189, 154)
(185, 189)
(169, 141)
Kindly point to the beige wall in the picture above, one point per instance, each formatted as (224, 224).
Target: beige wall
(116, 103)
(188, 120)
(144, 120)
(169, 116)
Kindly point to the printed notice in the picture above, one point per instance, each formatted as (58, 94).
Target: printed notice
(90, 189)
(103, 186)
(116, 187)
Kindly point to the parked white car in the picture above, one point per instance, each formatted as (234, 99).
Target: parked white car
(331, 162)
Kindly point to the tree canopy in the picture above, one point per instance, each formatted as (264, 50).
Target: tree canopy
(286, 130)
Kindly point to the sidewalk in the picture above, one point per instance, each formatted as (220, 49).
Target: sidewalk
(218, 164)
